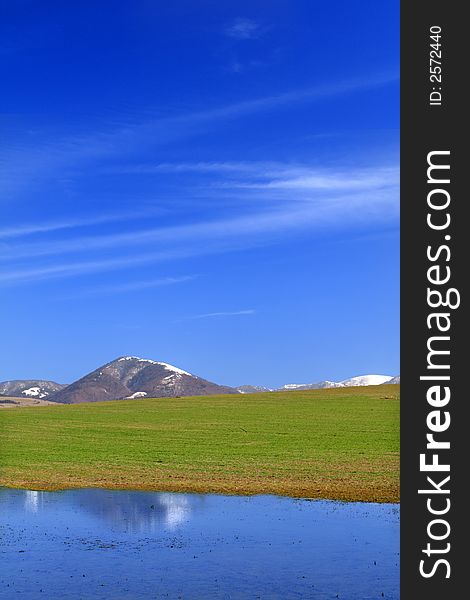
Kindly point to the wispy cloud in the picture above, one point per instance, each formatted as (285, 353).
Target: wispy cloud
(86, 267)
(272, 175)
(237, 66)
(136, 286)
(25, 165)
(213, 238)
(273, 200)
(247, 204)
(299, 215)
(73, 223)
(236, 313)
(73, 268)
(244, 29)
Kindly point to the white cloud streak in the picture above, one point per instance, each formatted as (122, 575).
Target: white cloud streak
(211, 238)
(272, 175)
(235, 313)
(298, 199)
(351, 208)
(73, 223)
(136, 286)
(243, 29)
(274, 199)
(23, 275)
(26, 166)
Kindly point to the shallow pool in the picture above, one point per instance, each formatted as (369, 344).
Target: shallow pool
(119, 545)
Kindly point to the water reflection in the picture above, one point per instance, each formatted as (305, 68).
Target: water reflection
(104, 544)
(137, 511)
(31, 501)
(127, 511)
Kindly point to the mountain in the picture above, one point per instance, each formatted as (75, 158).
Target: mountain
(353, 381)
(252, 389)
(29, 388)
(134, 377)
(309, 386)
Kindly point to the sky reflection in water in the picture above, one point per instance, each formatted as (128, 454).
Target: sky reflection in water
(119, 545)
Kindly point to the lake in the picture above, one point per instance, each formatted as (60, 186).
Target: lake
(122, 545)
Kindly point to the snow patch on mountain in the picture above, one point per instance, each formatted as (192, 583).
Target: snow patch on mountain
(136, 395)
(166, 366)
(138, 359)
(293, 386)
(366, 380)
(34, 392)
(174, 369)
(252, 389)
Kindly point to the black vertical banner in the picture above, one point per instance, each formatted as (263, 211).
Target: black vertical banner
(434, 253)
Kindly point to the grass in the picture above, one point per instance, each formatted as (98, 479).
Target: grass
(339, 444)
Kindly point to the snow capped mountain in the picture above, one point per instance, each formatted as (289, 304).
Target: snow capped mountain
(252, 389)
(353, 381)
(366, 380)
(134, 377)
(329, 384)
(29, 388)
(310, 386)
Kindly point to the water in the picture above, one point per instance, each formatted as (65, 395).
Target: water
(118, 545)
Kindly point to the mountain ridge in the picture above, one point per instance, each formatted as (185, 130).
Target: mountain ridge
(358, 380)
(30, 388)
(132, 377)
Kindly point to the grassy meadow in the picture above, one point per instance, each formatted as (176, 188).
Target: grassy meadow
(337, 443)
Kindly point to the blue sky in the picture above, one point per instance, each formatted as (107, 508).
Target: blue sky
(210, 184)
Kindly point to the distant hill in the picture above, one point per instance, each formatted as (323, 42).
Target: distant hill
(309, 386)
(30, 388)
(252, 389)
(134, 377)
(360, 380)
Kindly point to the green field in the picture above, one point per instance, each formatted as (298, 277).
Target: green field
(338, 443)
